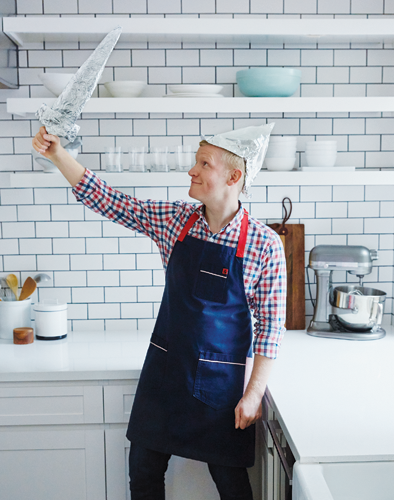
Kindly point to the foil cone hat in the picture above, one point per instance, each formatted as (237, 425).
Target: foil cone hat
(60, 119)
(250, 143)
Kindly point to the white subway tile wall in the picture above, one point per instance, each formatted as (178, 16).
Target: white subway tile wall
(113, 278)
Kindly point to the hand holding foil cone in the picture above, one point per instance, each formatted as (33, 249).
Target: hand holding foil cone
(60, 119)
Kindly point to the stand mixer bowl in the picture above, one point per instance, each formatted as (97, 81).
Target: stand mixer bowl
(358, 308)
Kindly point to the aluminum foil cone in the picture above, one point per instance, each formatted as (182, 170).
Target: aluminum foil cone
(250, 143)
(60, 119)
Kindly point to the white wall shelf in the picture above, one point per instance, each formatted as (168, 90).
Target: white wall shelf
(24, 106)
(24, 30)
(182, 179)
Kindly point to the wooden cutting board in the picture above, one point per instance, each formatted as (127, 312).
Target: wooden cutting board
(294, 245)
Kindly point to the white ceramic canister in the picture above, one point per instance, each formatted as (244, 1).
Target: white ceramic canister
(50, 320)
(14, 314)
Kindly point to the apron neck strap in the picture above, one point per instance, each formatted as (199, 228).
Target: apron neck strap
(186, 228)
(243, 235)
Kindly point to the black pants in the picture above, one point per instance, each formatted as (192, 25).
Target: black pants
(147, 469)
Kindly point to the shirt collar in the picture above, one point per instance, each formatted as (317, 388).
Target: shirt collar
(232, 225)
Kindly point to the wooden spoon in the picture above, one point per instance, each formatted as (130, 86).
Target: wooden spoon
(12, 282)
(29, 287)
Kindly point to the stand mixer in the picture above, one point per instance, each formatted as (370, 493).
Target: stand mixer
(345, 312)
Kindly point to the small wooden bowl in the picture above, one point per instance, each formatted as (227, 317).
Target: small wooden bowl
(23, 335)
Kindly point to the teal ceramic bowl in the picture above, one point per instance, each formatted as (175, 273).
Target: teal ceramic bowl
(268, 82)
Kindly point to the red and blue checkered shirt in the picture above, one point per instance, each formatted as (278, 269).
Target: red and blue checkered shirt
(264, 265)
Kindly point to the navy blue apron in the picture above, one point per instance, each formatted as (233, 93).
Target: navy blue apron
(194, 372)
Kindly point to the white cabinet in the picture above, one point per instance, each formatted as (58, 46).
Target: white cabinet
(59, 464)
(68, 442)
(52, 442)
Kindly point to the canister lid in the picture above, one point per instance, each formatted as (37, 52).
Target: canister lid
(50, 305)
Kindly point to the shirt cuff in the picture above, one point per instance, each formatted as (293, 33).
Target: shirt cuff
(89, 183)
(268, 343)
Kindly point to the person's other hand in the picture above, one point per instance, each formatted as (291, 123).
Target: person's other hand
(248, 411)
(46, 144)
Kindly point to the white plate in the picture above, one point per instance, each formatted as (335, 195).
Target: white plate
(328, 169)
(195, 89)
(279, 168)
(193, 95)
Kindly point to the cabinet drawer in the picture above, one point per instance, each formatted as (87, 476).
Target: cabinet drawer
(51, 405)
(118, 400)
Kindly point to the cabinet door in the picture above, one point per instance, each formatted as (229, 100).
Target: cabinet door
(52, 465)
(117, 449)
(118, 400)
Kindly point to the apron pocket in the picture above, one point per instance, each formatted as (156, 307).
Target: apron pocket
(219, 379)
(155, 365)
(212, 282)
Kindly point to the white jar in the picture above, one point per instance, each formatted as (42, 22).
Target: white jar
(14, 314)
(51, 320)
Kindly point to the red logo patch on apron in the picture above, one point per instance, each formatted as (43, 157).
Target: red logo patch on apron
(225, 271)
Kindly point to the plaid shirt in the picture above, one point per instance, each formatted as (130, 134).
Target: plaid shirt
(264, 265)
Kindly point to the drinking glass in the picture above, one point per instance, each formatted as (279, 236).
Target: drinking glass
(183, 158)
(159, 159)
(113, 159)
(137, 159)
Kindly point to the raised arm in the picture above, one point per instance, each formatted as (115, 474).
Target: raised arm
(49, 146)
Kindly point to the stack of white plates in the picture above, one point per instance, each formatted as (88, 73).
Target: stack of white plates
(194, 91)
(281, 153)
(321, 153)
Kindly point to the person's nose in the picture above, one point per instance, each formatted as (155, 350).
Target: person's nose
(192, 171)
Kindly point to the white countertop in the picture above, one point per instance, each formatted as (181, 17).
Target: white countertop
(333, 397)
(95, 355)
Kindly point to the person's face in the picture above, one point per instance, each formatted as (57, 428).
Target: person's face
(209, 176)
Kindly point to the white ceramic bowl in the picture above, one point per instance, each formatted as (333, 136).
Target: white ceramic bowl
(321, 145)
(125, 88)
(321, 154)
(55, 82)
(282, 154)
(321, 160)
(280, 163)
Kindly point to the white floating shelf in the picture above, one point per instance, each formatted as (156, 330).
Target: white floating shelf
(216, 105)
(182, 179)
(34, 29)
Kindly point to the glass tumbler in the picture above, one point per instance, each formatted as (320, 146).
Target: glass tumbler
(113, 159)
(137, 159)
(159, 159)
(183, 158)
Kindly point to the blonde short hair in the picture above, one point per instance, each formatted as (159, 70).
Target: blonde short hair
(231, 160)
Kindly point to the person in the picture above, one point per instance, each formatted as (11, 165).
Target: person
(200, 389)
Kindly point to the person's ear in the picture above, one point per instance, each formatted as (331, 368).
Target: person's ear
(235, 176)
